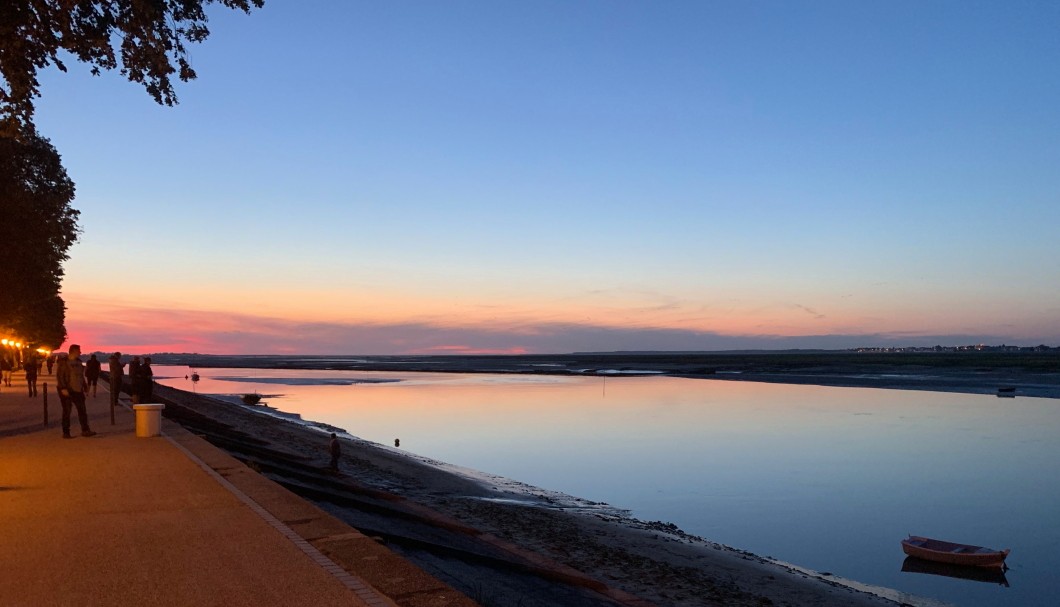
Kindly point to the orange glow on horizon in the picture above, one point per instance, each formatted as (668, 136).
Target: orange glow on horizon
(750, 314)
(452, 327)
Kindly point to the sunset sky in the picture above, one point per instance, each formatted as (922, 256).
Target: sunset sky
(472, 176)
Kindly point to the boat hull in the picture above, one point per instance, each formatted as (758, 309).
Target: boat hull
(964, 555)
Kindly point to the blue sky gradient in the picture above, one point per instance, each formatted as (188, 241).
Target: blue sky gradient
(548, 176)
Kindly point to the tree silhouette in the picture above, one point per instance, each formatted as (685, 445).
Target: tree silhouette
(145, 39)
(37, 228)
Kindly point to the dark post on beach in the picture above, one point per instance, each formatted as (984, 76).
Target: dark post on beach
(45, 404)
(335, 451)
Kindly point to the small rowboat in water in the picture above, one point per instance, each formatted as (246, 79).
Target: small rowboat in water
(954, 554)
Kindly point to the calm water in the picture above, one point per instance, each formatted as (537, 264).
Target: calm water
(828, 478)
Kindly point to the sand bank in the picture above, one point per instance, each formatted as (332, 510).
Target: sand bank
(1035, 374)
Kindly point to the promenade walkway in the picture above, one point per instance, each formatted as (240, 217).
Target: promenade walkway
(118, 520)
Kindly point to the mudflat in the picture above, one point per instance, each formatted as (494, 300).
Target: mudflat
(1023, 373)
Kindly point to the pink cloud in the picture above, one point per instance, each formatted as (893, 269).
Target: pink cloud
(102, 326)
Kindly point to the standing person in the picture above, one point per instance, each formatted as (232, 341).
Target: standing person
(336, 450)
(51, 361)
(7, 365)
(134, 377)
(116, 373)
(70, 382)
(144, 382)
(32, 364)
(92, 368)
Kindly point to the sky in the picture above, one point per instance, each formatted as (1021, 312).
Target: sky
(408, 177)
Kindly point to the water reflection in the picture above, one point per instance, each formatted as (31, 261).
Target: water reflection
(769, 468)
(991, 575)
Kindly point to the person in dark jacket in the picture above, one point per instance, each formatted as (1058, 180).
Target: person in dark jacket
(70, 382)
(134, 374)
(32, 363)
(143, 384)
(7, 365)
(92, 368)
(116, 376)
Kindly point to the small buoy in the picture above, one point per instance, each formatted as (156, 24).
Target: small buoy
(397, 442)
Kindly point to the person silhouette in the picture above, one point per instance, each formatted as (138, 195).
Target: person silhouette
(116, 373)
(70, 382)
(92, 369)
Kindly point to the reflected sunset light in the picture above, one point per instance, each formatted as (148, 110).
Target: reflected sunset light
(766, 467)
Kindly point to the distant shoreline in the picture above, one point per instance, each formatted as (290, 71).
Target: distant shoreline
(1028, 374)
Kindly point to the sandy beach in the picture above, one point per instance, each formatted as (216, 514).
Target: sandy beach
(502, 546)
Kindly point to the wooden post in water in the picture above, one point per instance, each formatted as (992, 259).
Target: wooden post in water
(45, 404)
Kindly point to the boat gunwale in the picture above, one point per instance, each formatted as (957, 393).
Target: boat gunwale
(953, 553)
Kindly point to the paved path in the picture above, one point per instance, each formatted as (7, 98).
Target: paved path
(120, 520)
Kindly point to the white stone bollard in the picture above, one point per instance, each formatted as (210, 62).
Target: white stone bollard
(148, 419)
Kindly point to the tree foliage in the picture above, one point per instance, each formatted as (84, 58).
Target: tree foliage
(37, 228)
(145, 39)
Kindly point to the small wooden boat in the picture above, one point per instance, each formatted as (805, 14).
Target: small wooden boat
(954, 554)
